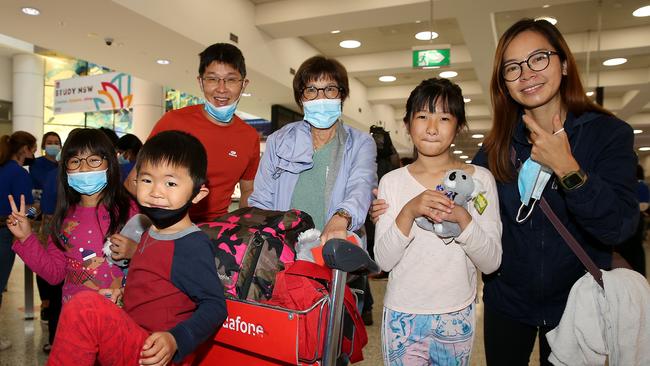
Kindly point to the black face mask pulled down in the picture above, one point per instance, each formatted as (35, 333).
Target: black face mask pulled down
(28, 161)
(163, 218)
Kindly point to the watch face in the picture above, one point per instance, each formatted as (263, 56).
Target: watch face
(572, 180)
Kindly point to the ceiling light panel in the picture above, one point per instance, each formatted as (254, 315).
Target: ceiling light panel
(643, 11)
(448, 74)
(615, 61)
(426, 35)
(30, 11)
(350, 43)
(387, 78)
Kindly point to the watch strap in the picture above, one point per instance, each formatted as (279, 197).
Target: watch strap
(346, 215)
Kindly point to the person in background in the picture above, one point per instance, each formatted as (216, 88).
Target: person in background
(632, 249)
(387, 157)
(233, 146)
(112, 136)
(387, 160)
(405, 161)
(127, 148)
(14, 180)
(51, 146)
(40, 169)
(319, 165)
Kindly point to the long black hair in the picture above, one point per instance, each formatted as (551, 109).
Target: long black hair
(113, 197)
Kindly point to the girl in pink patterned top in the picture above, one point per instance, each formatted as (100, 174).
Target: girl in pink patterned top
(92, 207)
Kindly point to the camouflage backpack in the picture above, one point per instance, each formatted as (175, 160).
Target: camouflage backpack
(252, 245)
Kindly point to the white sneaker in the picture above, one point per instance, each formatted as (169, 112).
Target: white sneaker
(4, 344)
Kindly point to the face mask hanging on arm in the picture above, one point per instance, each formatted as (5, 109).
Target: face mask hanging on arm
(531, 182)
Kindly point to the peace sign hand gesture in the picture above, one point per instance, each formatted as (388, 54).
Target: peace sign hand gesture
(17, 222)
(551, 149)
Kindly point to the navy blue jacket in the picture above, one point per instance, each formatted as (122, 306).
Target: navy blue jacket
(538, 268)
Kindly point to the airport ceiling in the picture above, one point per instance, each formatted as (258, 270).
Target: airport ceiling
(145, 30)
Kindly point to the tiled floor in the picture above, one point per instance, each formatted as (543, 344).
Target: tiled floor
(28, 336)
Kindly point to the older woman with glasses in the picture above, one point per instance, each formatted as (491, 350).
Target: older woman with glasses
(319, 165)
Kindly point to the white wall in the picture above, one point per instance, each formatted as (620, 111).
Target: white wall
(6, 83)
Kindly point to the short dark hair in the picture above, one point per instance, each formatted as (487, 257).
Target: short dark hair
(320, 67)
(129, 142)
(110, 134)
(224, 53)
(179, 149)
(425, 96)
(48, 134)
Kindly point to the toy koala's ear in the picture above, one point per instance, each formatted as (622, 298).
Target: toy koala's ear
(478, 188)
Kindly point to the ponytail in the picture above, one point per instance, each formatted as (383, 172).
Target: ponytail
(10, 145)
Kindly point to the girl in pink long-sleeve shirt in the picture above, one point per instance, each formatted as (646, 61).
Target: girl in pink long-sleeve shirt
(92, 207)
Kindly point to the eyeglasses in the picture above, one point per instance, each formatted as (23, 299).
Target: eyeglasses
(330, 92)
(230, 83)
(538, 61)
(93, 161)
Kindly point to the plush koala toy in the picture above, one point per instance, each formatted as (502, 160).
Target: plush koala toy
(461, 188)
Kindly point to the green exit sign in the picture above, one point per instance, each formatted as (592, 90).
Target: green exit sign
(430, 58)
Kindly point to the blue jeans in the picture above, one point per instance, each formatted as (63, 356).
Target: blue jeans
(7, 257)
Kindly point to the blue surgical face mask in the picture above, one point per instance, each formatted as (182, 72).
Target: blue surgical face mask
(322, 113)
(531, 182)
(122, 160)
(222, 114)
(88, 183)
(52, 150)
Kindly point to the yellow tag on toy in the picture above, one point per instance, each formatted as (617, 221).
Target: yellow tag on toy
(480, 203)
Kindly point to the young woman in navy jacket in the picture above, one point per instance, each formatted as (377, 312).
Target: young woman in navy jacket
(545, 127)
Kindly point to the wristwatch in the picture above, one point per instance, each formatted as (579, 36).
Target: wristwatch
(573, 180)
(346, 215)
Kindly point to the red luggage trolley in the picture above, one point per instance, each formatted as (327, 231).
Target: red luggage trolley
(259, 334)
